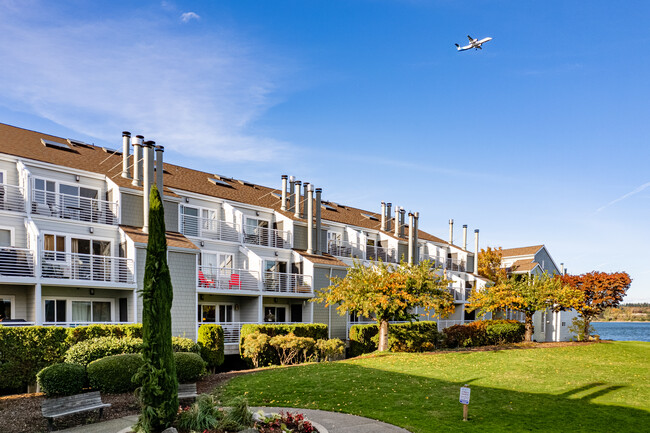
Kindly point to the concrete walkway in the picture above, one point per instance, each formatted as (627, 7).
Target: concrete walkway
(334, 422)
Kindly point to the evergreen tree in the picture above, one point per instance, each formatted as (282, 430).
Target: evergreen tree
(159, 387)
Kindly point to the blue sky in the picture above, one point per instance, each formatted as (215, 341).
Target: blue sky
(541, 137)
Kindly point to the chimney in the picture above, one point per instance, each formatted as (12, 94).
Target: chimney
(137, 159)
(388, 211)
(411, 232)
(476, 252)
(566, 271)
(292, 187)
(318, 230)
(310, 220)
(283, 205)
(396, 221)
(159, 169)
(416, 228)
(402, 221)
(303, 214)
(297, 200)
(383, 216)
(126, 139)
(451, 231)
(465, 237)
(147, 149)
(561, 268)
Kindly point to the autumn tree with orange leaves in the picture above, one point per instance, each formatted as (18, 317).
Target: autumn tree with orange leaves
(600, 290)
(528, 294)
(383, 292)
(489, 264)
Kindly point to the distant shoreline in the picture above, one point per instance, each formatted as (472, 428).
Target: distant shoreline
(620, 321)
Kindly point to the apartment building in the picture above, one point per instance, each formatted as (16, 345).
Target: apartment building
(73, 236)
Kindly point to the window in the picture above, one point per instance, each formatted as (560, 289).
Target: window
(79, 203)
(5, 238)
(208, 313)
(52, 244)
(256, 231)
(190, 221)
(55, 310)
(44, 194)
(6, 308)
(91, 311)
(225, 313)
(275, 314)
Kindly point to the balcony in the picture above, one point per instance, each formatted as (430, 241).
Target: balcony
(211, 278)
(267, 237)
(12, 198)
(16, 262)
(74, 207)
(436, 262)
(287, 283)
(86, 267)
(232, 330)
(212, 229)
(362, 252)
(455, 265)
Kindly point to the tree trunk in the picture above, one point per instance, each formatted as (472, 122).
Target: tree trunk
(587, 323)
(528, 336)
(383, 335)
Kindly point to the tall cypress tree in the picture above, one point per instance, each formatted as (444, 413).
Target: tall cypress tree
(159, 387)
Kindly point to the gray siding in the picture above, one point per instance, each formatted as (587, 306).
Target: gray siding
(545, 261)
(23, 308)
(132, 210)
(182, 267)
(299, 237)
(171, 215)
(402, 252)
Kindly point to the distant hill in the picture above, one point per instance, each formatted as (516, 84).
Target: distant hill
(627, 313)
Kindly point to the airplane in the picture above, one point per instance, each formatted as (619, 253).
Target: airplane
(473, 43)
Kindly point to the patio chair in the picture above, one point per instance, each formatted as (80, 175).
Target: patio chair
(204, 282)
(234, 282)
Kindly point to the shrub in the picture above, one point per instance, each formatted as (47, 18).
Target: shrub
(202, 415)
(413, 337)
(505, 331)
(182, 344)
(361, 339)
(211, 342)
(62, 379)
(114, 374)
(483, 333)
(316, 331)
(26, 350)
(331, 349)
(577, 328)
(292, 349)
(254, 347)
(189, 367)
(90, 350)
(83, 333)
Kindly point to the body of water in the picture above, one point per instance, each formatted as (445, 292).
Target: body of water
(624, 331)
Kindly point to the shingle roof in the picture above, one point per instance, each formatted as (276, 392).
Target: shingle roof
(523, 266)
(174, 239)
(325, 259)
(521, 251)
(27, 144)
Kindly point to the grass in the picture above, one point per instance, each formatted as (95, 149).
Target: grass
(589, 388)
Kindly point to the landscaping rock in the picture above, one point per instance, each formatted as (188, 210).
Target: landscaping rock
(170, 430)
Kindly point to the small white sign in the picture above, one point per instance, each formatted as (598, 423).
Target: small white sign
(464, 395)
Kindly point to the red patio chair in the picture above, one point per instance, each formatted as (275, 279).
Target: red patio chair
(234, 281)
(204, 282)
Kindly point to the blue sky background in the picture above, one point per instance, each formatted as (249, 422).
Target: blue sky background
(542, 137)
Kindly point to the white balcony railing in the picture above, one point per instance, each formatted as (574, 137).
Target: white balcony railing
(86, 267)
(436, 261)
(74, 207)
(455, 265)
(74, 324)
(442, 324)
(213, 278)
(16, 262)
(287, 283)
(12, 198)
(207, 228)
(267, 237)
(385, 254)
(232, 330)
(363, 252)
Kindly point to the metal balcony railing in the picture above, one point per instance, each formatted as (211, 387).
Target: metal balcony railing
(16, 262)
(74, 207)
(214, 278)
(455, 265)
(232, 330)
(12, 198)
(442, 324)
(208, 228)
(86, 267)
(436, 261)
(287, 283)
(267, 237)
(362, 252)
(388, 255)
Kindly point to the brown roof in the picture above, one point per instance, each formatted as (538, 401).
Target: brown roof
(521, 251)
(523, 266)
(27, 144)
(325, 259)
(174, 239)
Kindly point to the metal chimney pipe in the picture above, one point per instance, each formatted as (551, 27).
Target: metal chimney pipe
(126, 139)
(561, 268)
(303, 214)
(383, 216)
(292, 187)
(283, 205)
(402, 221)
(146, 184)
(451, 231)
(411, 232)
(310, 220)
(388, 211)
(297, 200)
(396, 221)
(416, 237)
(476, 252)
(465, 237)
(137, 159)
(159, 169)
(318, 220)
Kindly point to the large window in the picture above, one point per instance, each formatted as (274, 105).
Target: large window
(54, 247)
(55, 310)
(256, 231)
(6, 308)
(78, 310)
(275, 314)
(216, 313)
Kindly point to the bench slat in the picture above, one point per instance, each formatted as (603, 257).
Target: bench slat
(79, 409)
(60, 406)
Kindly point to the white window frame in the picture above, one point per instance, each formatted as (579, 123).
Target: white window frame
(12, 299)
(287, 312)
(217, 315)
(200, 217)
(3, 175)
(68, 306)
(68, 240)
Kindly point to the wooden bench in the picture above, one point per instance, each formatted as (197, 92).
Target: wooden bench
(187, 390)
(56, 407)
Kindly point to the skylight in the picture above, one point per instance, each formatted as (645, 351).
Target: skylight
(370, 217)
(243, 182)
(276, 195)
(79, 143)
(221, 177)
(328, 207)
(54, 144)
(219, 182)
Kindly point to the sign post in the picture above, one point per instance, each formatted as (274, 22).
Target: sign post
(464, 399)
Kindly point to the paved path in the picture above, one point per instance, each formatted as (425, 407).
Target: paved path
(334, 422)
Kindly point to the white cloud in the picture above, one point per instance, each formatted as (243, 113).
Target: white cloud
(188, 16)
(623, 197)
(196, 95)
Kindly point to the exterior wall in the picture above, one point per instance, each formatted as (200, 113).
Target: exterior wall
(15, 223)
(402, 252)
(171, 215)
(21, 305)
(132, 210)
(544, 259)
(182, 267)
(300, 237)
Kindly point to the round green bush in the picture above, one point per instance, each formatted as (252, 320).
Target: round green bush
(62, 379)
(181, 344)
(113, 374)
(189, 367)
(88, 351)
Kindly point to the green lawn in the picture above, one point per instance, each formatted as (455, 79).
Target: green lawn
(593, 388)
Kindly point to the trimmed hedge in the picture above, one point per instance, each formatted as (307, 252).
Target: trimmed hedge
(211, 342)
(316, 331)
(26, 350)
(189, 367)
(484, 333)
(361, 339)
(62, 379)
(88, 351)
(114, 374)
(83, 333)
(182, 344)
(402, 337)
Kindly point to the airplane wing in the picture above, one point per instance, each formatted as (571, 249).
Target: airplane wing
(470, 38)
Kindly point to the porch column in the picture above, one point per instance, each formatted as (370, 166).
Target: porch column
(260, 310)
(38, 305)
(134, 305)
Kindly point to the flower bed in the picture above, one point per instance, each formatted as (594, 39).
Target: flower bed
(282, 422)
